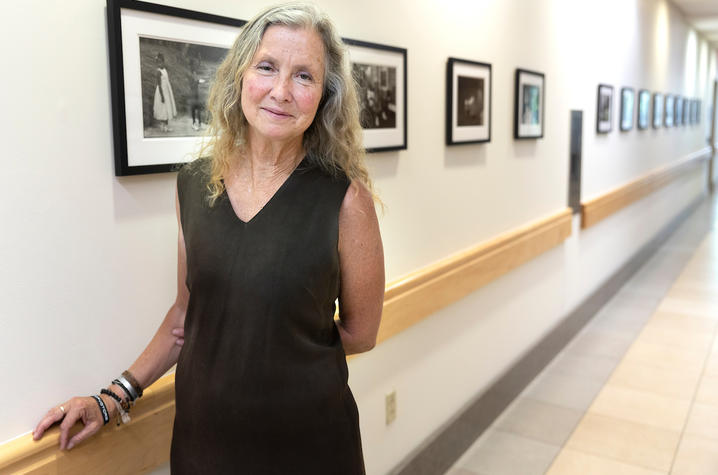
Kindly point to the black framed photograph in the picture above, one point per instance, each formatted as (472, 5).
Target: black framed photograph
(670, 101)
(529, 104)
(162, 63)
(657, 110)
(678, 111)
(604, 109)
(644, 107)
(687, 104)
(380, 73)
(468, 102)
(694, 109)
(628, 107)
(698, 111)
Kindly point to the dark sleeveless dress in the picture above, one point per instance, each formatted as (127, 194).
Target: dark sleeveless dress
(261, 381)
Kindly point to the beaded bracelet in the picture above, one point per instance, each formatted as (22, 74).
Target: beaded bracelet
(124, 404)
(103, 409)
(122, 414)
(133, 381)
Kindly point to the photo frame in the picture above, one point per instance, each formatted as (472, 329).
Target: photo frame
(529, 104)
(468, 102)
(698, 111)
(162, 63)
(657, 110)
(604, 109)
(380, 73)
(644, 107)
(687, 103)
(678, 111)
(628, 107)
(669, 113)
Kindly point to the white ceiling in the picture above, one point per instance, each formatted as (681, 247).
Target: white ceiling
(703, 15)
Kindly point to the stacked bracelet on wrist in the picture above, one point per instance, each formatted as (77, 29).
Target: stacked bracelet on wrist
(123, 407)
(133, 382)
(103, 409)
(132, 389)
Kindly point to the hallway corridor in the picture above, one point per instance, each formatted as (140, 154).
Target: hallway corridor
(636, 392)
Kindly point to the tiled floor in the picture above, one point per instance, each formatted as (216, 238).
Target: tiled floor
(636, 392)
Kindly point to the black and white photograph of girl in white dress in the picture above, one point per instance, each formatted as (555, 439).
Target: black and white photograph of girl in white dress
(176, 78)
(377, 95)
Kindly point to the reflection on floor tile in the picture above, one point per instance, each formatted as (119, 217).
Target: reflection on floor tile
(501, 453)
(460, 471)
(595, 342)
(565, 391)
(628, 442)
(593, 368)
(641, 407)
(696, 456)
(708, 390)
(703, 421)
(539, 421)
(573, 462)
(669, 383)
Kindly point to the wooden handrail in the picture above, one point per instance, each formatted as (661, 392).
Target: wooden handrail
(604, 205)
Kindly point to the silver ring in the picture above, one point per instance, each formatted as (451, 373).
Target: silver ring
(62, 409)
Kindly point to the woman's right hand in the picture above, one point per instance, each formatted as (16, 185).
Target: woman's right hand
(77, 408)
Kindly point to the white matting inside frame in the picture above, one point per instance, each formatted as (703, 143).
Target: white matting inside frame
(136, 23)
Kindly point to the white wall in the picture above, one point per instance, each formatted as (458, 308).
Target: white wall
(88, 260)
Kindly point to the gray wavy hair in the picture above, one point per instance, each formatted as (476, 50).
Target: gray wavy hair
(334, 139)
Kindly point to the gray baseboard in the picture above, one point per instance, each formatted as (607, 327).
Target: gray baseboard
(443, 448)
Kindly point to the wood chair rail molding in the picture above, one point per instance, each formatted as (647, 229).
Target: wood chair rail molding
(604, 205)
(412, 298)
(144, 443)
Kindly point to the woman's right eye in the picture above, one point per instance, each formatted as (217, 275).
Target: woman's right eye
(264, 67)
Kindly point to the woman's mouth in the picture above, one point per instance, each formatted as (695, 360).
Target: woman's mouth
(276, 112)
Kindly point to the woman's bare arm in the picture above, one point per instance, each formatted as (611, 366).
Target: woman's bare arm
(361, 257)
(159, 356)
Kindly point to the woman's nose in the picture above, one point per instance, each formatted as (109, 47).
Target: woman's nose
(280, 89)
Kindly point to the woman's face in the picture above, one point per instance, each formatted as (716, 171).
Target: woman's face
(283, 85)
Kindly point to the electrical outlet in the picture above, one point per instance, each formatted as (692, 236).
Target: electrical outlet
(390, 407)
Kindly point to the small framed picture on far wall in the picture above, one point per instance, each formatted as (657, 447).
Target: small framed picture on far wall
(644, 106)
(604, 109)
(628, 105)
(657, 110)
(529, 104)
(468, 102)
(668, 118)
(678, 111)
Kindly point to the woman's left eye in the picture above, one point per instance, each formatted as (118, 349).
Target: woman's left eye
(304, 76)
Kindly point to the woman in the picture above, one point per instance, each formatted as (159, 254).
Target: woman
(274, 227)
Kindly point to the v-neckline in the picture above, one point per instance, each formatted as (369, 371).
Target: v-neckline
(268, 202)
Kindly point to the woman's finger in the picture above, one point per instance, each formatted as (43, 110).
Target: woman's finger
(53, 415)
(179, 333)
(89, 429)
(72, 416)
